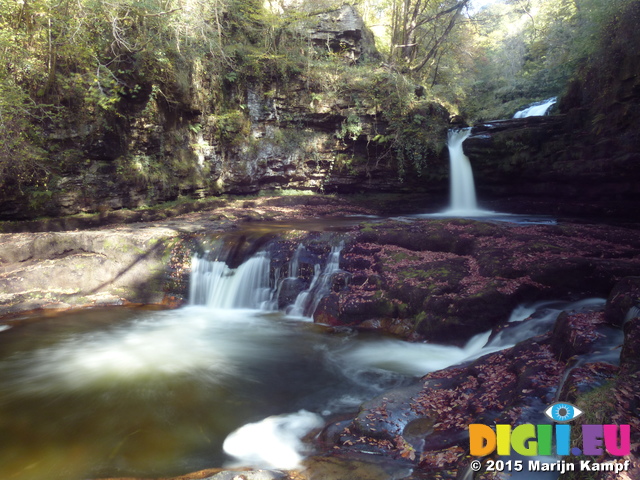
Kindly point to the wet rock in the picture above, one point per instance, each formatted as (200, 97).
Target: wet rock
(585, 379)
(576, 334)
(623, 301)
(630, 355)
(250, 475)
(289, 291)
(328, 311)
(426, 423)
(454, 278)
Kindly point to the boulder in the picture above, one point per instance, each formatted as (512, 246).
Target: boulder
(624, 301)
(343, 32)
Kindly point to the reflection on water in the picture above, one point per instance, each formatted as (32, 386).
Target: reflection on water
(490, 216)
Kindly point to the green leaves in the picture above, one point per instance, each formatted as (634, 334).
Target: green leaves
(350, 128)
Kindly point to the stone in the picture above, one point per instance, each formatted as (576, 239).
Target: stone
(343, 32)
(630, 355)
(623, 301)
(575, 334)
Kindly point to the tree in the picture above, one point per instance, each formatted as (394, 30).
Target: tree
(420, 28)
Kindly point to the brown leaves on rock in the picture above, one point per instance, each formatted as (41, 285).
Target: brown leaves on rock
(446, 458)
(404, 448)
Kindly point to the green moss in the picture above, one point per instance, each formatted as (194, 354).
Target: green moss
(418, 319)
(367, 228)
(598, 406)
(399, 256)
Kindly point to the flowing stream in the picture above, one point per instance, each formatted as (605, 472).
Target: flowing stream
(229, 379)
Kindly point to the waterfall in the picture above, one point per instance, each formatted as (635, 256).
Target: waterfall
(463, 191)
(216, 285)
(253, 285)
(536, 109)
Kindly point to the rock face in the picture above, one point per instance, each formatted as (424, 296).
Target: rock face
(343, 32)
(581, 161)
(244, 134)
(448, 280)
(545, 164)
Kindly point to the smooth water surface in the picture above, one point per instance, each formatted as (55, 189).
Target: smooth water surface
(121, 392)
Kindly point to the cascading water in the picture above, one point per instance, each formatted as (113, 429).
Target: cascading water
(463, 200)
(536, 109)
(252, 285)
(225, 379)
(216, 285)
(308, 300)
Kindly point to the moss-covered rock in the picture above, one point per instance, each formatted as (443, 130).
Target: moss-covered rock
(455, 278)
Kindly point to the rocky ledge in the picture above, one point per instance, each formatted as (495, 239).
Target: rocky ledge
(447, 280)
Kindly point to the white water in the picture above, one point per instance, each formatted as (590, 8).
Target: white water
(216, 285)
(463, 190)
(414, 359)
(463, 201)
(274, 442)
(536, 109)
(308, 300)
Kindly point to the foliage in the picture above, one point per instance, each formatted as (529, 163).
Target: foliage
(101, 66)
(527, 50)
(350, 128)
(21, 153)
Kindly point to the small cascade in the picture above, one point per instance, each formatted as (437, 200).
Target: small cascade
(308, 300)
(537, 109)
(216, 285)
(294, 263)
(254, 284)
(463, 190)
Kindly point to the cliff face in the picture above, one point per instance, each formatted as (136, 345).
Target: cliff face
(583, 160)
(235, 133)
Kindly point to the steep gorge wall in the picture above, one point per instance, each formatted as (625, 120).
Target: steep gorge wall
(220, 133)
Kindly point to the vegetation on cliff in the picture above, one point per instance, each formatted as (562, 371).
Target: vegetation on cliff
(157, 99)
